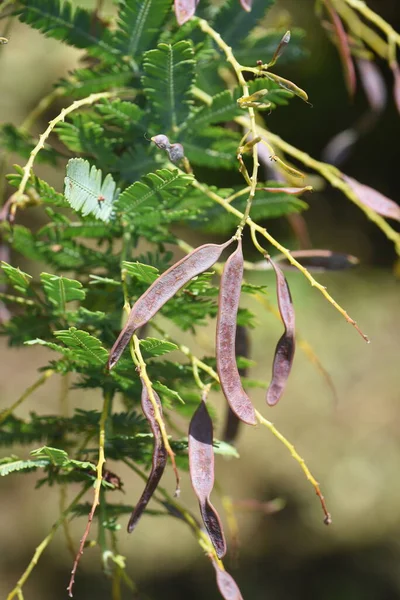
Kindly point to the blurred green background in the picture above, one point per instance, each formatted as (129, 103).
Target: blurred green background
(352, 447)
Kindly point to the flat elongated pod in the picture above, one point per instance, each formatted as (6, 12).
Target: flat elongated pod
(242, 348)
(159, 458)
(373, 199)
(285, 347)
(318, 260)
(201, 467)
(162, 290)
(229, 296)
(226, 584)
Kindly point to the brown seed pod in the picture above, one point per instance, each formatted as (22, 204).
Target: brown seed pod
(229, 296)
(242, 348)
(285, 347)
(318, 260)
(162, 290)
(201, 467)
(373, 199)
(184, 10)
(226, 584)
(159, 458)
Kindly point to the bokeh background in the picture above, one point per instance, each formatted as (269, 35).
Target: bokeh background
(352, 445)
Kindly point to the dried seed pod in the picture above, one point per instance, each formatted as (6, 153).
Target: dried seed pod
(164, 288)
(161, 141)
(226, 584)
(242, 348)
(318, 260)
(229, 296)
(176, 153)
(373, 199)
(285, 347)
(159, 458)
(184, 10)
(201, 467)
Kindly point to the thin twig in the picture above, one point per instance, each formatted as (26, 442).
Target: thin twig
(141, 365)
(6, 413)
(255, 227)
(206, 28)
(18, 196)
(17, 591)
(300, 460)
(97, 486)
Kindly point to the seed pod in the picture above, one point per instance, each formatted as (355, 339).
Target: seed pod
(201, 467)
(184, 10)
(164, 288)
(176, 153)
(318, 260)
(242, 348)
(161, 141)
(226, 584)
(285, 347)
(373, 199)
(159, 458)
(229, 296)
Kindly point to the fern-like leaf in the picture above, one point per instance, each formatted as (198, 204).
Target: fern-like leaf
(86, 192)
(12, 464)
(156, 347)
(77, 27)
(140, 22)
(86, 346)
(156, 190)
(18, 279)
(169, 76)
(60, 290)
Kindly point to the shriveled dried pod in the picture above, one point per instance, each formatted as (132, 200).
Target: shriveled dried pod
(201, 468)
(229, 296)
(159, 460)
(162, 290)
(284, 352)
(226, 584)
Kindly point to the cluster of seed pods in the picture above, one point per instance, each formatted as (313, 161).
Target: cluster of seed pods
(200, 439)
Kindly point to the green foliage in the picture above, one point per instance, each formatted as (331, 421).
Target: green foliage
(86, 192)
(58, 19)
(98, 248)
(17, 278)
(169, 76)
(60, 290)
(139, 25)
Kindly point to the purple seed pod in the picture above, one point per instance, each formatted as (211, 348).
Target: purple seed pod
(318, 260)
(159, 457)
(162, 290)
(285, 347)
(176, 153)
(242, 348)
(226, 584)
(201, 467)
(229, 296)
(161, 141)
(373, 199)
(184, 10)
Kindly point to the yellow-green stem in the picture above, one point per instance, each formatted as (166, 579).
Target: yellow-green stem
(17, 591)
(48, 373)
(141, 366)
(18, 196)
(97, 485)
